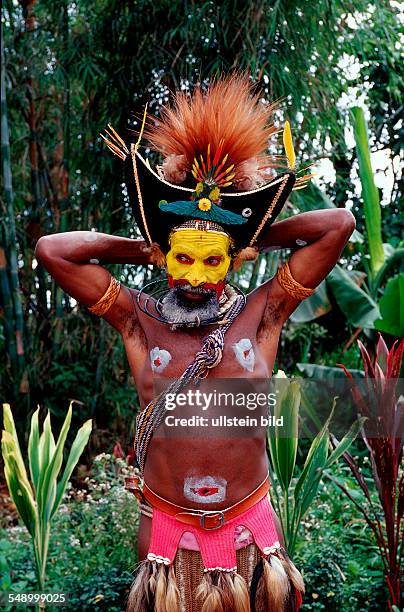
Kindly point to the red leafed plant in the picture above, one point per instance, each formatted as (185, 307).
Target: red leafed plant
(375, 397)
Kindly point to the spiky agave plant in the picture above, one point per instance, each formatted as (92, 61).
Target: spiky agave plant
(376, 398)
(38, 501)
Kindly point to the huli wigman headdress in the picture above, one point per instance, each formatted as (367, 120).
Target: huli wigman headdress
(214, 145)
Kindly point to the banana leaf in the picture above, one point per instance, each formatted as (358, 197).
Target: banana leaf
(392, 308)
(358, 306)
(313, 307)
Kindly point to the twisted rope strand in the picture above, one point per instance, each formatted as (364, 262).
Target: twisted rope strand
(207, 358)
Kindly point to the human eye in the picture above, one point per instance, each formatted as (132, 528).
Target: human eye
(182, 258)
(214, 260)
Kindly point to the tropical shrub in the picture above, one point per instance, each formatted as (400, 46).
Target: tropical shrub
(38, 501)
(292, 492)
(337, 553)
(93, 548)
(379, 401)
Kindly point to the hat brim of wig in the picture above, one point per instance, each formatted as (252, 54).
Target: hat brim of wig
(146, 190)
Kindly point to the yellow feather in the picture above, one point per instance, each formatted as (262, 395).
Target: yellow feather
(288, 144)
(142, 128)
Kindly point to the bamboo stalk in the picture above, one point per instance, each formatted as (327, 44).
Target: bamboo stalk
(62, 189)
(7, 304)
(34, 153)
(17, 320)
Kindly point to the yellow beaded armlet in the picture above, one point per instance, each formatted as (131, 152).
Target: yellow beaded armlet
(290, 285)
(108, 299)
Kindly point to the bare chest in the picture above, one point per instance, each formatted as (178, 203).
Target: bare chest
(166, 354)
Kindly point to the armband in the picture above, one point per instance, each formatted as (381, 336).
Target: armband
(107, 300)
(290, 285)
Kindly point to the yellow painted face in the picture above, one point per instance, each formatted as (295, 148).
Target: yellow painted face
(198, 257)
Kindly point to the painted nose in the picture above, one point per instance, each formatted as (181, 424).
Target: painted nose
(196, 275)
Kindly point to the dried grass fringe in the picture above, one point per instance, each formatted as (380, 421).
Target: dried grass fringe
(154, 589)
(274, 590)
(223, 592)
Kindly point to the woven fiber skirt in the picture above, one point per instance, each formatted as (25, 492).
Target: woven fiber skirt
(189, 572)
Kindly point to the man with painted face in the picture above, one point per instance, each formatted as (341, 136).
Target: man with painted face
(208, 539)
(197, 265)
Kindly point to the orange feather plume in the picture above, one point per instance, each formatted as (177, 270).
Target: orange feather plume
(226, 120)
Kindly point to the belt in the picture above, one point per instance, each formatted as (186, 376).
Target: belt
(209, 519)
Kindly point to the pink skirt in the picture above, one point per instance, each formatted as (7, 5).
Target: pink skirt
(217, 546)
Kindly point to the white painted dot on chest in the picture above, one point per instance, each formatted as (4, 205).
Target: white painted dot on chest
(244, 352)
(159, 359)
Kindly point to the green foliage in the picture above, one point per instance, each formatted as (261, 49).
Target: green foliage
(298, 490)
(337, 553)
(98, 560)
(370, 194)
(315, 306)
(92, 551)
(392, 308)
(357, 305)
(324, 580)
(37, 503)
(104, 590)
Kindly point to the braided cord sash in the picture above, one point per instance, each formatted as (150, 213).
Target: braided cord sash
(207, 358)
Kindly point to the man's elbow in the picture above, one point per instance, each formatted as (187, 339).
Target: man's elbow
(343, 223)
(43, 248)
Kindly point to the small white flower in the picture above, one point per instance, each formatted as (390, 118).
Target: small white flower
(74, 541)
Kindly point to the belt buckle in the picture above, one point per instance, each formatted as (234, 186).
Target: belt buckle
(207, 514)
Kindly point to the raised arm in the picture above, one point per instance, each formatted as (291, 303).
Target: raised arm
(72, 259)
(318, 239)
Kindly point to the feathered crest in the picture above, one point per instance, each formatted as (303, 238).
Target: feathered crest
(214, 133)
